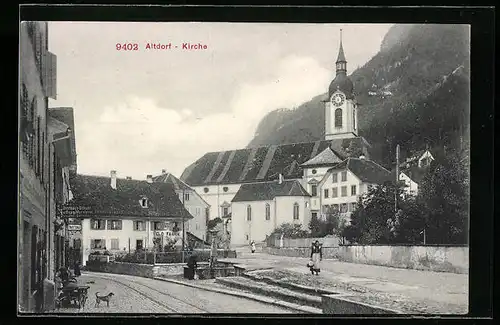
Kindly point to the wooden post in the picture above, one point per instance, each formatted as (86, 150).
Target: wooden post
(397, 180)
(183, 207)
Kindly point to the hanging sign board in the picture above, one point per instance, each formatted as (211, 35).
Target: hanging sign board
(74, 227)
(75, 211)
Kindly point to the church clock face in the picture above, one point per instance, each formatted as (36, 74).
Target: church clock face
(338, 99)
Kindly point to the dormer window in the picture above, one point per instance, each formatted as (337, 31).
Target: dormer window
(144, 202)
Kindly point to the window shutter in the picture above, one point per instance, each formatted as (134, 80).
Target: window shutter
(50, 72)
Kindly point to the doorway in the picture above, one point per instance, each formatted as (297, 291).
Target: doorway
(138, 244)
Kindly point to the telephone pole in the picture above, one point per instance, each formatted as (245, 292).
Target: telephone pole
(397, 180)
(182, 212)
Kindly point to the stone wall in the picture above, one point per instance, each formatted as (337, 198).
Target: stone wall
(143, 270)
(328, 252)
(430, 258)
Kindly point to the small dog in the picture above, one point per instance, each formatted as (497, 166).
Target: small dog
(105, 298)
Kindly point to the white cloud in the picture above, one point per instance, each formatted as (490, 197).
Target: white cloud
(137, 137)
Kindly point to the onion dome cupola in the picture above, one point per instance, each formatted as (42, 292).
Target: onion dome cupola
(341, 81)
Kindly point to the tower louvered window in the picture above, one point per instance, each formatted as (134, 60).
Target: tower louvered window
(338, 118)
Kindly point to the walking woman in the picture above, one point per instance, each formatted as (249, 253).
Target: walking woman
(252, 246)
(316, 257)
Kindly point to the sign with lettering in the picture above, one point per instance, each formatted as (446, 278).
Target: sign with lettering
(74, 227)
(75, 211)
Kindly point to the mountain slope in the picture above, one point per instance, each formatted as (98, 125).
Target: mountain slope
(419, 76)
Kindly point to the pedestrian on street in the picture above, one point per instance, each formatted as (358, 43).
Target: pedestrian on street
(252, 245)
(316, 257)
(77, 269)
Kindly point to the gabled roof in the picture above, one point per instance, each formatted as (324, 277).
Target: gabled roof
(415, 173)
(97, 193)
(325, 158)
(171, 179)
(177, 184)
(261, 164)
(269, 190)
(366, 170)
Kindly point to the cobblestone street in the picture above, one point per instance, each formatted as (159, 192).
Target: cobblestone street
(141, 295)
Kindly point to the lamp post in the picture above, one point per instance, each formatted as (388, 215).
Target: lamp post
(182, 214)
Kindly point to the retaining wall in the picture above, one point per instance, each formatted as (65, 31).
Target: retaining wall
(430, 258)
(328, 252)
(451, 259)
(143, 270)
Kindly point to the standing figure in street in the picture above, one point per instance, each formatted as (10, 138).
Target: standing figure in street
(316, 257)
(77, 269)
(252, 246)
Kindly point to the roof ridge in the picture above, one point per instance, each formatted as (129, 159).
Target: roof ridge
(374, 162)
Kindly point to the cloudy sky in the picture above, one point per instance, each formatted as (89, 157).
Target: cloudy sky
(139, 112)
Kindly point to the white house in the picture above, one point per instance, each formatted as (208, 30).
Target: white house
(193, 203)
(344, 183)
(123, 214)
(413, 170)
(314, 171)
(259, 208)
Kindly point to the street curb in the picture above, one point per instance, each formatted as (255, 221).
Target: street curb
(291, 296)
(288, 285)
(283, 304)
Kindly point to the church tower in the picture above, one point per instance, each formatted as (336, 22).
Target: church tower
(341, 114)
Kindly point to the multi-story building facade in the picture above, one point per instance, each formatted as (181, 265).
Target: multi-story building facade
(344, 183)
(36, 252)
(124, 215)
(193, 203)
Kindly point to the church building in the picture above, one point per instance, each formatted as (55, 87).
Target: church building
(219, 177)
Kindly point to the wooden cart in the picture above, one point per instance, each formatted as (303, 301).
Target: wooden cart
(72, 295)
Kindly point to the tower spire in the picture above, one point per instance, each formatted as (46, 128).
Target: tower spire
(341, 64)
(341, 57)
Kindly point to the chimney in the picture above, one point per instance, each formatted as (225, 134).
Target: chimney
(128, 177)
(149, 178)
(362, 157)
(113, 179)
(280, 179)
(163, 171)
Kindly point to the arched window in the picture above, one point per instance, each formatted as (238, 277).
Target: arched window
(295, 211)
(338, 118)
(249, 213)
(268, 211)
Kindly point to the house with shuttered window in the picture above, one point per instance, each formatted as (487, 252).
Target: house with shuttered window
(344, 183)
(124, 215)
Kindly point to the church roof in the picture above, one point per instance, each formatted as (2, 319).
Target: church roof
(325, 158)
(366, 170)
(265, 163)
(269, 190)
(96, 192)
(341, 57)
(342, 83)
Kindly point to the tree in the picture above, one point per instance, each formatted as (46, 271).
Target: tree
(315, 226)
(291, 231)
(444, 192)
(369, 222)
